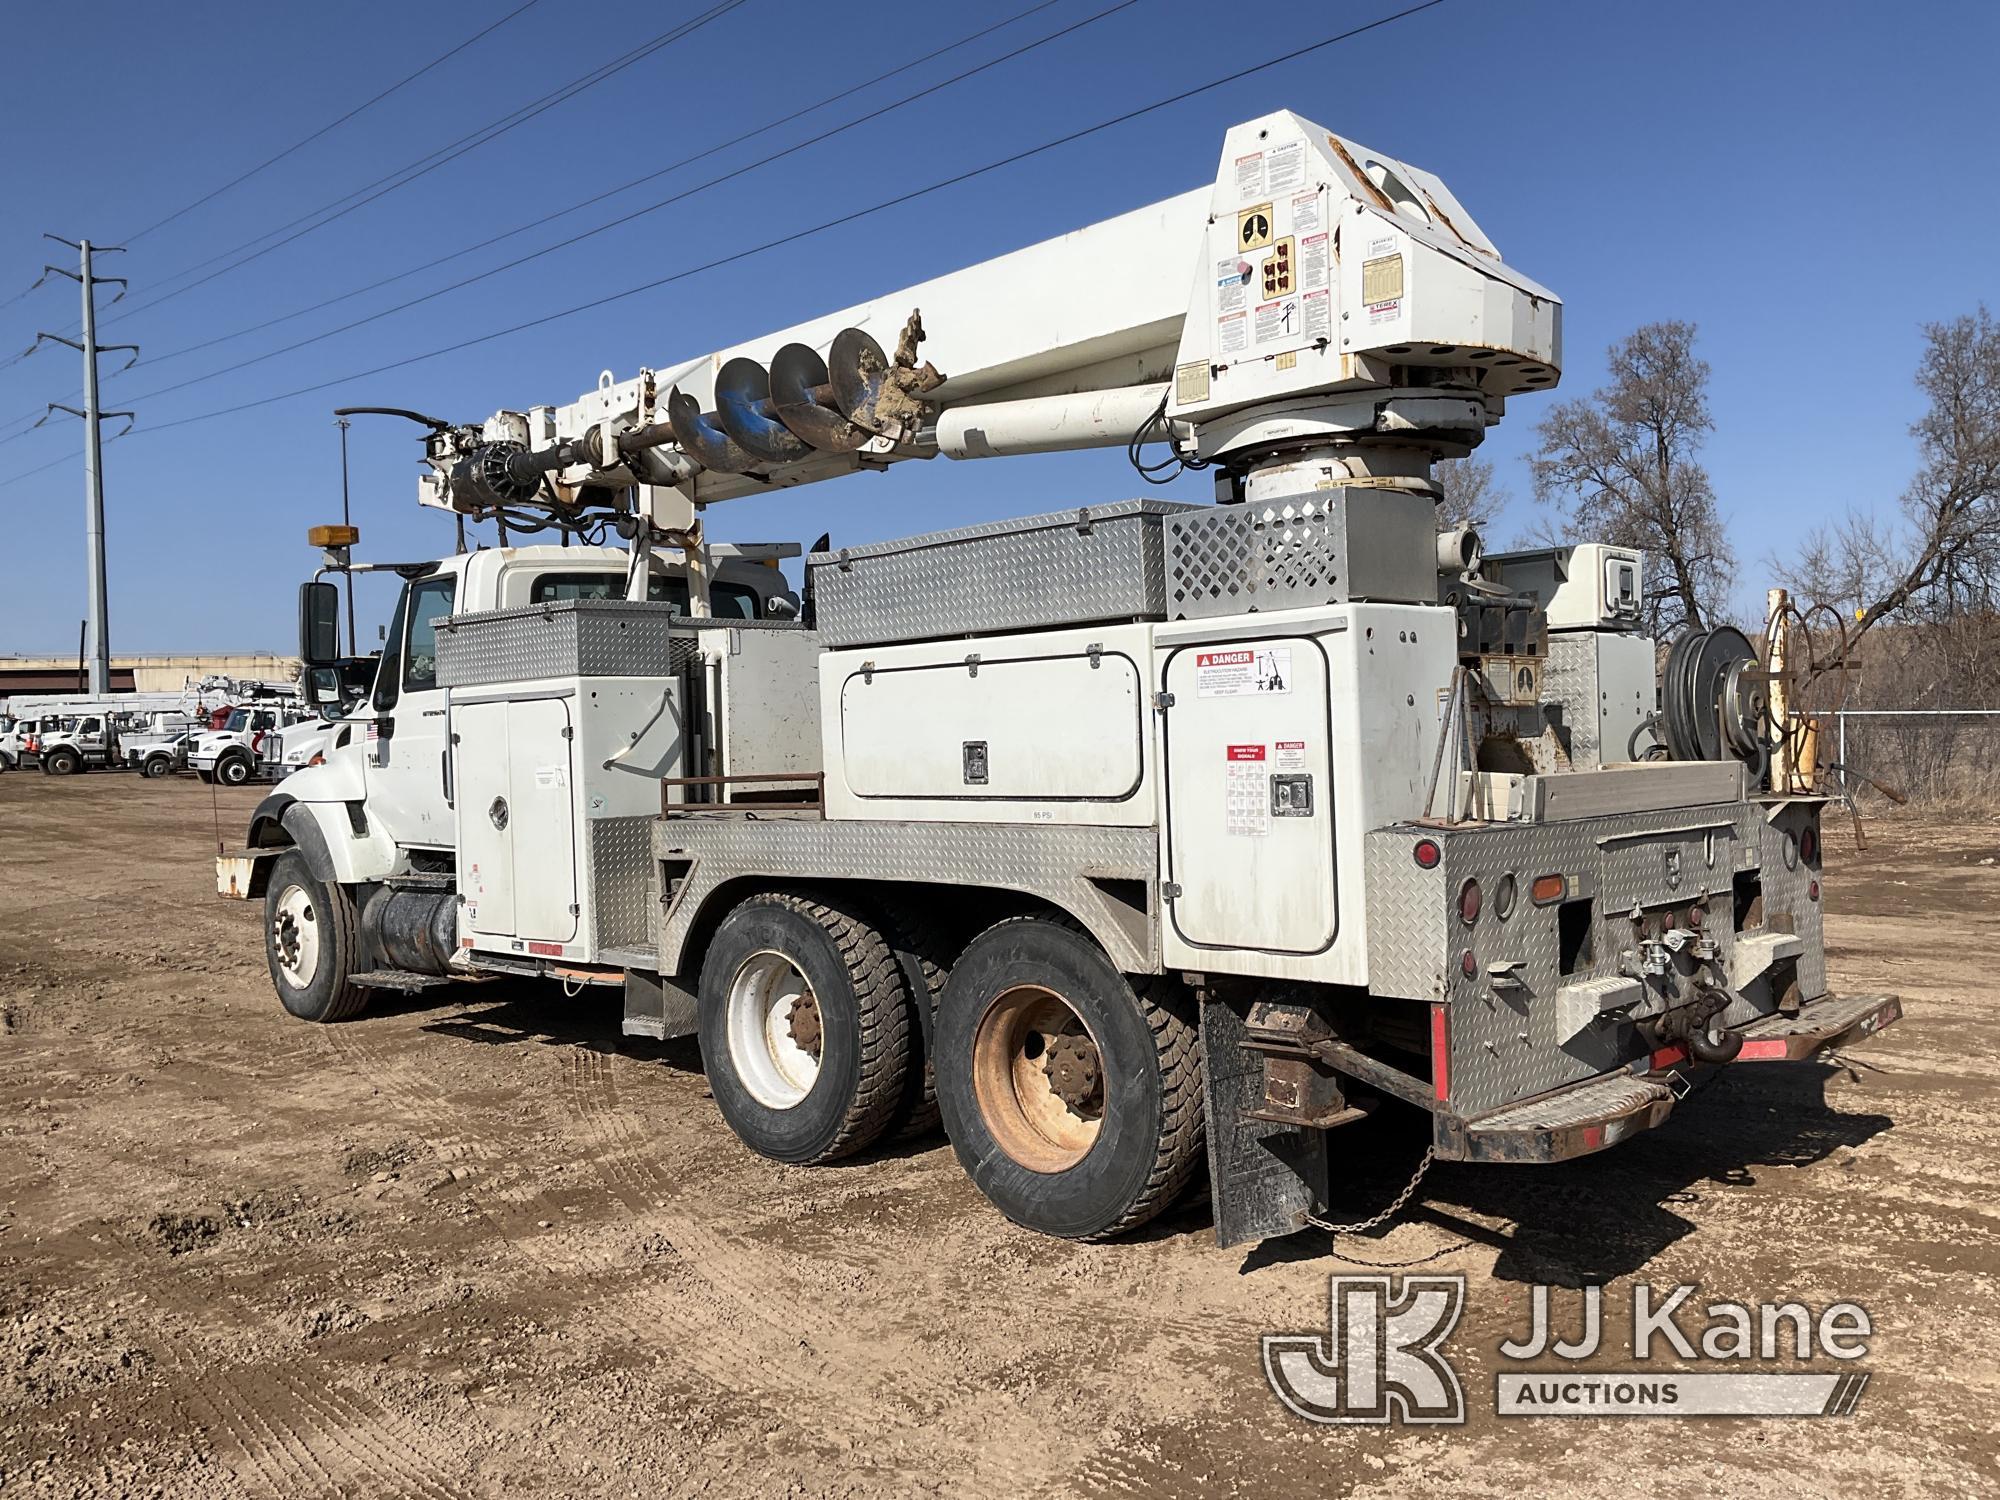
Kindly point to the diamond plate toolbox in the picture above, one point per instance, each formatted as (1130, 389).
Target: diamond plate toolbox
(574, 638)
(1069, 567)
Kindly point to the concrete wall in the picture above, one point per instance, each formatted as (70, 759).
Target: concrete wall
(148, 674)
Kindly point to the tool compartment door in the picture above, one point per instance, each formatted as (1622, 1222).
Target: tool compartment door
(1250, 796)
(544, 822)
(979, 730)
(481, 790)
(516, 819)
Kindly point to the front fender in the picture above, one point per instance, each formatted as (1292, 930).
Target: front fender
(323, 811)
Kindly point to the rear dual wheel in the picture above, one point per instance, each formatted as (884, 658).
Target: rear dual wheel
(1072, 1094)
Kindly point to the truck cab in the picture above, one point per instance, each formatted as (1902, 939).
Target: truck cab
(230, 754)
(76, 744)
(379, 804)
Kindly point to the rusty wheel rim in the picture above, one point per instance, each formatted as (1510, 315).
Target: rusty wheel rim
(1038, 1078)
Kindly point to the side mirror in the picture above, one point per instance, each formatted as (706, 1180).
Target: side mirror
(320, 686)
(319, 624)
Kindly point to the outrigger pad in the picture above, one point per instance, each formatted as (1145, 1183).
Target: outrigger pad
(1264, 1178)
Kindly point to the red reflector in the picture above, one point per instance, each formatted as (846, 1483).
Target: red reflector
(1548, 888)
(1764, 1051)
(1812, 890)
(1427, 854)
(1467, 964)
(1666, 1057)
(1440, 1053)
(1468, 902)
(550, 950)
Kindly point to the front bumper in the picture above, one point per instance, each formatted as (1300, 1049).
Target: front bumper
(1603, 1111)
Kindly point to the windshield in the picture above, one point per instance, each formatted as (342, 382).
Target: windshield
(726, 600)
(238, 720)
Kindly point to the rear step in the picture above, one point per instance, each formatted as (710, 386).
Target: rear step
(1822, 1024)
(400, 979)
(1600, 1112)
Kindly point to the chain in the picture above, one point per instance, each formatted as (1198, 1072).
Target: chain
(1395, 1204)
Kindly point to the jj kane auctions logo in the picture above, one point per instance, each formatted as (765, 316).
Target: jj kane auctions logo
(1383, 1359)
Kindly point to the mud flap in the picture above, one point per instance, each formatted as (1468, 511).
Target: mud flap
(1264, 1178)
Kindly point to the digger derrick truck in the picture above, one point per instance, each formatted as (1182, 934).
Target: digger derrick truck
(1112, 835)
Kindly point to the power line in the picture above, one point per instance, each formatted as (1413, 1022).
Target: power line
(326, 129)
(848, 218)
(563, 213)
(405, 175)
(733, 175)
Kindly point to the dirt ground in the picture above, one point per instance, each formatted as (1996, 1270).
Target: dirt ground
(486, 1246)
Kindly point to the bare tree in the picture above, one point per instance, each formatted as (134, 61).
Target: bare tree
(1622, 465)
(1470, 497)
(1946, 562)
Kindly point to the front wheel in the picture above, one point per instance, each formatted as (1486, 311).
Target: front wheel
(158, 766)
(312, 937)
(1071, 1094)
(233, 770)
(62, 763)
(805, 1028)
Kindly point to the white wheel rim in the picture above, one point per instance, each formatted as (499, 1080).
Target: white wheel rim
(295, 936)
(775, 1069)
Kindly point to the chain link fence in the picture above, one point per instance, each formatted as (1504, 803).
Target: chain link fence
(1934, 756)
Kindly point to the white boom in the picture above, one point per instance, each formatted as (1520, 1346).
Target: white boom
(1318, 293)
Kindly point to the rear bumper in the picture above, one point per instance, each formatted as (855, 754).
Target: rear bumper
(1601, 1112)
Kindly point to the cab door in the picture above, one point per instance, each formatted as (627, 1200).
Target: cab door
(408, 746)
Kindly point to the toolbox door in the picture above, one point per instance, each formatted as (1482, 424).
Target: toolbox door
(516, 819)
(1250, 858)
(481, 787)
(543, 820)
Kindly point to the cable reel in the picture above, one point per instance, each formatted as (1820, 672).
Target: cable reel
(1714, 698)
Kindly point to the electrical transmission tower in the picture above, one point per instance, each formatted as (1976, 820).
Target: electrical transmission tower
(97, 641)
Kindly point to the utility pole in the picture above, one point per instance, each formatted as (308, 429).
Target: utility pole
(97, 639)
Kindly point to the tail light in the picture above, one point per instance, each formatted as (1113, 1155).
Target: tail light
(1469, 900)
(1426, 853)
(1548, 889)
(1809, 845)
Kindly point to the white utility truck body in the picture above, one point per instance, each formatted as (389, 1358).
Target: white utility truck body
(1107, 831)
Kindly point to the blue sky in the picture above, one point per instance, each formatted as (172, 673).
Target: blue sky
(1808, 183)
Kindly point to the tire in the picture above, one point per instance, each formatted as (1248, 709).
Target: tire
(925, 950)
(312, 965)
(1072, 1094)
(158, 766)
(62, 762)
(233, 770)
(804, 1082)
